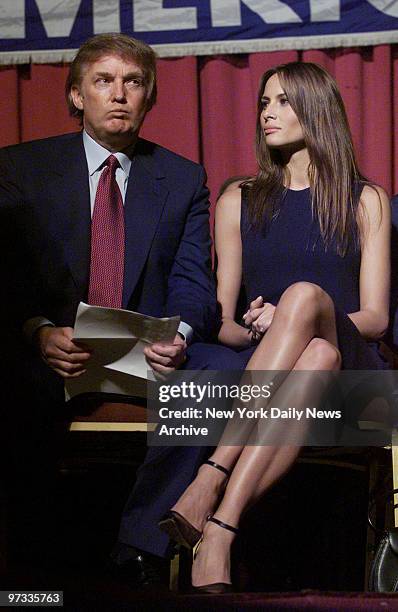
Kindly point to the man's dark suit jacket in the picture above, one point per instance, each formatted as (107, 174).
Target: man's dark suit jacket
(45, 228)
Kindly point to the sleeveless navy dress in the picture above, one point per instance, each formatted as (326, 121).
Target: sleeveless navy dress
(289, 248)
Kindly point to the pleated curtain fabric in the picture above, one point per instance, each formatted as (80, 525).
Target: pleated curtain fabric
(207, 123)
(107, 241)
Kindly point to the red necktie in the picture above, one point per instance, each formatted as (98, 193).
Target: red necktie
(107, 241)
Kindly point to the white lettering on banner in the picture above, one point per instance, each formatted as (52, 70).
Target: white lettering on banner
(225, 13)
(273, 11)
(325, 10)
(58, 17)
(12, 19)
(389, 7)
(106, 16)
(151, 16)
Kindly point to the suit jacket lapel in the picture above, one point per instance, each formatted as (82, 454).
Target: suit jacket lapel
(145, 199)
(69, 179)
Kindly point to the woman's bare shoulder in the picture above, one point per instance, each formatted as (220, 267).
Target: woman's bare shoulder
(375, 205)
(372, 193)
(230, 203)
(234, 182)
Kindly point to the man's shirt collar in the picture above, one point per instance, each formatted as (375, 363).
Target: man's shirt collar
(96, 154)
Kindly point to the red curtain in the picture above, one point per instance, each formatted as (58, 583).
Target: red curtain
(206, 107)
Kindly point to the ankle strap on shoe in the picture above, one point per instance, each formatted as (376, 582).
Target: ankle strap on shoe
(218, 467)
(223, 525)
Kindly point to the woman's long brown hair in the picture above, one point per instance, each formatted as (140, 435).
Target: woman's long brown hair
(333, 171)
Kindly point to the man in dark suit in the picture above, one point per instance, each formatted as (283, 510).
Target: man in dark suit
(106, 217)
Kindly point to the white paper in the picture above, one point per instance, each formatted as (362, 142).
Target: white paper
(117, 338)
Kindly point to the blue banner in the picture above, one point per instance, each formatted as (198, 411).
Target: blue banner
(51, 30)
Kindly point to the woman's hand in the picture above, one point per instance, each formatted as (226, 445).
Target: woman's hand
(259, 316)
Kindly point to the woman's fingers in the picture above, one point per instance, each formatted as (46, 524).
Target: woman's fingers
(253, 316)
(257, 303)
(264, 320)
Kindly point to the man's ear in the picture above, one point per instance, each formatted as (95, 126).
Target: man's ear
(76, 97)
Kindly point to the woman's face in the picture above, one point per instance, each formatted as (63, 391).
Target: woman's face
(279, 122)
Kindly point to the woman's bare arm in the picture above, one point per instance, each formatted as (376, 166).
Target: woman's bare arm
(229, 269)
(374, 279)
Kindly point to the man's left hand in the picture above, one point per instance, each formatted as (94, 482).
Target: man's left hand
(166, 358)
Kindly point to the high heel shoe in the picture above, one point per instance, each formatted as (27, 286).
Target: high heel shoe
(214, 588)
(178, 528)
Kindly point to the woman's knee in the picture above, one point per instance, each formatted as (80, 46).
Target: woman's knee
(304, 291)
(321, 355)
(304, 300)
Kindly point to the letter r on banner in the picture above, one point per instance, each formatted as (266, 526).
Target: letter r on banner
(227, 12)
(389, 7)
(151, 16)
(325, 10)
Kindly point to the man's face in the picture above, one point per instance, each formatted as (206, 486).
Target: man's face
(112, 96)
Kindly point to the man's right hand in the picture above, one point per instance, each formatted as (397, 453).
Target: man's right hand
(60, 352)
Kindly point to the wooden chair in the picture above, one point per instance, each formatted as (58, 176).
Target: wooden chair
(111, 416)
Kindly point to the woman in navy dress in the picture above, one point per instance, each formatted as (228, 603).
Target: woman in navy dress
(308, 238)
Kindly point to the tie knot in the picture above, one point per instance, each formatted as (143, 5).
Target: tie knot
(112, 163)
